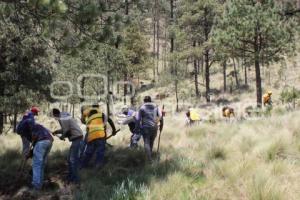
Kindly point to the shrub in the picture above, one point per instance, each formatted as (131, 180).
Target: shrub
(289, 95)
(276, 150)
(216, 152)
(263, 188)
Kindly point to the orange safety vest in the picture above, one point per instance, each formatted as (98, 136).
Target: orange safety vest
(228, 112)
(266, 99)
(95, 126)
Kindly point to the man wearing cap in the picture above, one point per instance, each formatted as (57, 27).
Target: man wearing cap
(148, 118)
(24, 129)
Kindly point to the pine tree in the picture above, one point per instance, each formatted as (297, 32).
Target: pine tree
(255, 30)
(198, 19)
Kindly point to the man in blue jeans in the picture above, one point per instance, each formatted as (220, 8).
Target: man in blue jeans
(42, 143)
(95, 121)
(71, 130)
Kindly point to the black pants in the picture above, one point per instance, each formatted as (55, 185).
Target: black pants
(149, 135)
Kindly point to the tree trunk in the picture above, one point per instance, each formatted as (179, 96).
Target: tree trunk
(82, 88)
(154, 47)
(257, 67)
(196, 74)
(126, 7)
(157, 37)
(198, 66)
(236, 74)
(207, 78)
(5, 116)
(125, 87)
(224, 76)
(132, 97)
(15, 121)
(1, 122)
(108, 95)
(269, 74)
(165, 50)
(258, 83)
(172, 38)
(246, 75)
(176, 95)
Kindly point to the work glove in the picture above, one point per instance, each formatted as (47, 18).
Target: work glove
(62, 138)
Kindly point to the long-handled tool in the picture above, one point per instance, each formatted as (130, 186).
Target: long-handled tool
(158, 144)
(113, 134)
(23, 164)
(110, 137)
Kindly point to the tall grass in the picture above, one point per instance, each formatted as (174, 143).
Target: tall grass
(253, 160)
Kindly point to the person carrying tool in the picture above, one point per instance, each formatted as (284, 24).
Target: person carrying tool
(24, 129)
(71, 130)
(267, 99)
(227, 112)
(95, 121)
(149, 115)
(42, 142)
(129, 118)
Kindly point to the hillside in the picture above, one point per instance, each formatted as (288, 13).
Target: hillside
(192, 57)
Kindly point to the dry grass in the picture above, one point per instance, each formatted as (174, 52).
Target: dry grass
(255, 160)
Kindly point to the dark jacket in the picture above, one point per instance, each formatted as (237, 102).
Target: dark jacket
(40, 133)
(149, 115)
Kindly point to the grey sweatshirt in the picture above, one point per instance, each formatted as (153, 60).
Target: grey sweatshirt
(148, 115)
(69, 127)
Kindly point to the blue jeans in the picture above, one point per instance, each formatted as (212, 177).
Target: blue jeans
(96, 146)
(83, 146)
(73, 161)
(40, 153)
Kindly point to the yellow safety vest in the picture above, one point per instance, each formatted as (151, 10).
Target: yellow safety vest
(226, 113)
(95, 126)
(194, 115)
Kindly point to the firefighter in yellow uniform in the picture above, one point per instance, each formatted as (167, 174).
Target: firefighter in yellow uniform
(95, 139)
(192, 116)
(267, 98)
(227, 112)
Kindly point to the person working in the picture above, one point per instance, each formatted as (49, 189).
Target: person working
(148, 118)
(71, 130)
(95, 121)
